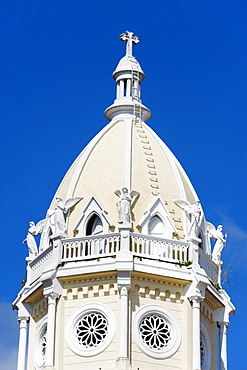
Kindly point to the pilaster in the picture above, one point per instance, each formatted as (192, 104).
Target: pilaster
(22, 350)
(124, 323)
(196, 300)
(49, 357)
(124, 267)
(223, 345)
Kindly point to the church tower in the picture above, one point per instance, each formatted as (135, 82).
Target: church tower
(124, 276)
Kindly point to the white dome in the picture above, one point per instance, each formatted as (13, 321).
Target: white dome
(154, 171)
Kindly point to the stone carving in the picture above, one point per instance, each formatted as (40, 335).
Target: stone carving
(49, 229)
(30, 239)
(220, 240)
(124, 214)
(194, 213)
(61, 210)
(128, 36)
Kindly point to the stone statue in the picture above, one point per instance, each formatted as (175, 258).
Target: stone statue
(124, 215)
(194, 213)
(49, 229)
(61, 211)
(30, 239)
(220, 240)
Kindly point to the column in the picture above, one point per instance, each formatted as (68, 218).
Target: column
(118, 90)
(128, 87)
(121, 89)
(49, 356)
(223, 345)
(124, 324)
(22, 350)
(196, 331)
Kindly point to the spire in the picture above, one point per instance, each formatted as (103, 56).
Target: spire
(128, 76)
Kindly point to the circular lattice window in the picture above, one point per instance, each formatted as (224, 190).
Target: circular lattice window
(156, 331)
(40, 346)
(90, 329)
(205, 349)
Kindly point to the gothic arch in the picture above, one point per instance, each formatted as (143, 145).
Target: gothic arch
(94, 225)
(157, 217)
(93, 219)
(156, 226)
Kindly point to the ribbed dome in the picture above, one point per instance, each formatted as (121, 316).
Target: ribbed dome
(99, 171)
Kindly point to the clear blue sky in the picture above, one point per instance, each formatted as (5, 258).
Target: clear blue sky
(57, 57)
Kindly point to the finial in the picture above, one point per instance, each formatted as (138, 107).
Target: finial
(128, 36)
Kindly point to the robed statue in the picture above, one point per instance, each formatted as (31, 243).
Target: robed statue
(124, 213)
(30, 239)
(220, 241)
(61, 211)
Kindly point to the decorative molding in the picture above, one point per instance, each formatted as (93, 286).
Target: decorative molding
(40, 308)
(147, 150)
(91, 291)
(210, 304)
(157, 281)
(207, 313)
(79, 280)
(157, 294)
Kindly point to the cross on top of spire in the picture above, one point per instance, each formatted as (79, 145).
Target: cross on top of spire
(128, 36)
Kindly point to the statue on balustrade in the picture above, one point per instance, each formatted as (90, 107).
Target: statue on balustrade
(124, 213)
(194, 214)
(61, 211)
(220, 241)
(33, 231)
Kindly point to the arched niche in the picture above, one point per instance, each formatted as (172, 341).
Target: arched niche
(94, 225)
(156, 227)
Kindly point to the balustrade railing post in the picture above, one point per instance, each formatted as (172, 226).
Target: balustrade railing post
(57, 249)
(194, 254)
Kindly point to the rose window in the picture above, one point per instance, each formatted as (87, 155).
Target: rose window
(202, 352)
(43, 344)
(205, 349)
(155, 332)
(91, 330)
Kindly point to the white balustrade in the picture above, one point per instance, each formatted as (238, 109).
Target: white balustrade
(157, 248)
(210, 267)
(90, 247)
(37, 266)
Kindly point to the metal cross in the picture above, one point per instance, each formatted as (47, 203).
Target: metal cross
(128, 36)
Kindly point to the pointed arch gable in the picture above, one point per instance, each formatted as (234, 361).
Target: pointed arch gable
(157, 209)
(93, 209)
